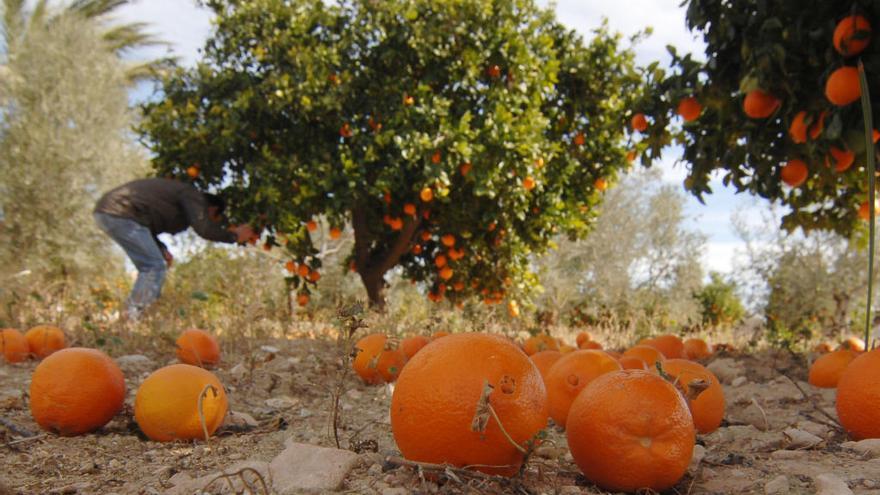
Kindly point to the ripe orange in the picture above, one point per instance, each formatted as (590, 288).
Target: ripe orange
(544, 360)
(465, 168)
(303, 270)
(823, 347)
(670, 345)
(798, 128)
(198, 348)
(448, 240)
(435, 400)
(411, 345)
(759, 104)
(43, 340)
(646, 353)
(446, 273)
(590, 344)
(689, 108)
(826, 371)
(865, 209)
(376, 361)
(632, 363)
(600, 184)
(426, 194)
(395, 223)
(529, 183)
(843, 159)
(696, 349)
(842, 86)
(794, 173)
(630, 430)
(852, 35)
(708, 408)
(439, 334)
(335, 232)
(540, 342)
(192, 171)
(858, 396)
(436, 157)
(512, 309)
(166, 406)
(13, 345)
(818, 125)
(570, 375)
(583, 337)
(75, 391)
(579, 139)
(409, 209)
(311, 225)
(639, 122)
(345, 130)
(302, 299)
(440, 261)
(853, 344)
(290, 266)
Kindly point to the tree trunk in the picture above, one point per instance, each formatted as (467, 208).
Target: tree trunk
(374, 282)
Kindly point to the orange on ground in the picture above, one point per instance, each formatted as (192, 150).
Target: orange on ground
(544, 360)
(708, 408)
(335, 232)
(670, 345)
(826, 371)
(435, 400)
(843, 159)
(411, 345)
(759, 105)
(858, 396)
(198, 348)
(689, 108)
(570, 375)
(75, 391)
(696, 349)
(590, 344)
(632, 363)
(426, 194)
(166, 406)
(630, 430)
(583, 337)
(646, 353)
(540, 342)
(376, 362)
(853, 344)
(842, 86)
(852, 35)
(823, 347)
(798, 128)
(13, 346)
(43, 340)
(639, 122)
(439, 334)
(794, 173)
(565, 348)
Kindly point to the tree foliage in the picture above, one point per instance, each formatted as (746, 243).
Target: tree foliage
(64, 137)
(719, 303)
(487, 121)
(784, 48)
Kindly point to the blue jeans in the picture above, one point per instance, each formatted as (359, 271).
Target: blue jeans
(141, 248)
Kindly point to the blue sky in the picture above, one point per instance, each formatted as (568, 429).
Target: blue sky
(186, 26)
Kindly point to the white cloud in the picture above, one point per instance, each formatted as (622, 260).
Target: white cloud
(183, 24)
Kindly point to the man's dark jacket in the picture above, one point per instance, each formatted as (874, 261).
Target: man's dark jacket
(163, 205)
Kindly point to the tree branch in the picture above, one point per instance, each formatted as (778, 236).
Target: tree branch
(388, 260)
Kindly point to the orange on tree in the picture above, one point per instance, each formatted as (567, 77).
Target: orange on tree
(409, 209)
(600, 184)
(798, 128)
(540, 342)
(858, 396)
(794, 173)
(411, 345)
(43, 340)
(843, 158)
(852, 35)
(76, 391)
(759, 104)
(302, 299)
(335, 232)
(670, 345)
(825, 372)
(529, 183)
(377, 360)
(631, 430)
(440, 410)
(689, 108)
(465, 168)
(426, 194)
(842, 86)
(13, 346)
(818, 125)
(646, 353)
(446, 273)
(448, 240)
(696, 349)
(707, 408)
(865, 209)
(192, 171)
(171, 403)
(198, 348)
(290, 266)
(544, 360)
(638, 122)
(570, 374)
(303, 270)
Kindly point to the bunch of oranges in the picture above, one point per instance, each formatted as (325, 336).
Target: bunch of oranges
(39, 342)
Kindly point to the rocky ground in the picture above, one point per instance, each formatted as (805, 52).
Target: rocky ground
(779, 436)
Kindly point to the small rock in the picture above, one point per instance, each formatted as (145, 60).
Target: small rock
(817, 429)
(269, 349)
(799, 439)
(114, 464)
(786, 455)
(550, 452)
(305, 413)
(777, 486)
(755, 416)
(354, 394)
(180, 479)
(309, 468)
(869, 448)
(375, 470)
(830, 484)
(739, 381)
(725, 369)
(134, 363)
(395, 491)
(696, 458)
(241, 420)
(238, 371)
(283, 402)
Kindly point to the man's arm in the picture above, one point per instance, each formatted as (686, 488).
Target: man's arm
(196, 211)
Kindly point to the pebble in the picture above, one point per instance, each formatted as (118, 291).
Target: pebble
(739, 381)
(395, 491)
(777, 486)
(375, 470)
(830, 484)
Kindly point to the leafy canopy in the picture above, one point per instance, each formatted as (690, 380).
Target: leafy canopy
(786, 49)
(487, 121)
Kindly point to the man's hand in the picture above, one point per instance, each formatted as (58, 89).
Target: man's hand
(243, 233)
(169, 260)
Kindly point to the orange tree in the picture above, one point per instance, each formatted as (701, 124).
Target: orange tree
(456, 136)
(772, 105)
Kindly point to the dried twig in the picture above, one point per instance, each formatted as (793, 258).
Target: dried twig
(201, 404)
(352, 321)
(14, 428)
(816, 405)
(25, 440)
(763, 414)
(230, 478)
(457, 474)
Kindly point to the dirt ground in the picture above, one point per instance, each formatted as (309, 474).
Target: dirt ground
(283, 391)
